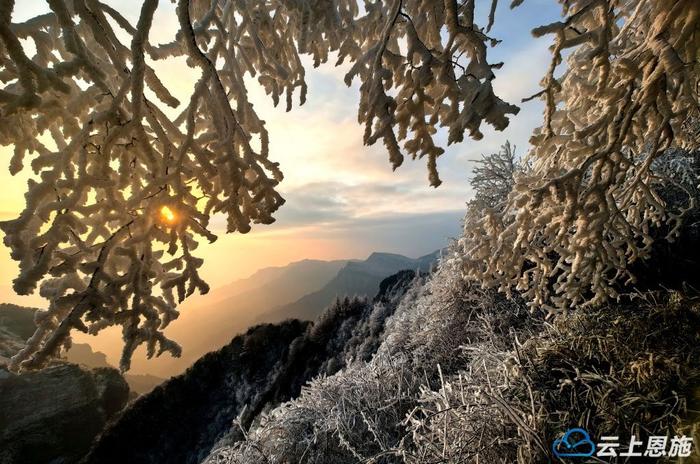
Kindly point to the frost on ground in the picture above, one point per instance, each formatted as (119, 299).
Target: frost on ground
(464, 375)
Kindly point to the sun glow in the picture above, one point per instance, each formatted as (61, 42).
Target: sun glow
(167, 215)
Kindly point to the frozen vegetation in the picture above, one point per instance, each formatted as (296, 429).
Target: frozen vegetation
(124, 191)
(465, 375)
(570, 298)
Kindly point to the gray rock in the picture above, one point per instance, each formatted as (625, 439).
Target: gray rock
(54, 414)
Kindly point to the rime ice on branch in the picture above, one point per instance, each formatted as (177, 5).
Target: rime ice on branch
(588, 207)
(86, 113)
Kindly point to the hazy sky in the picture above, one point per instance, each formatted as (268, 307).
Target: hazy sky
(343, 200)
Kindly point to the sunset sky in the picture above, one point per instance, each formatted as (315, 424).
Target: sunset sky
(343, 200)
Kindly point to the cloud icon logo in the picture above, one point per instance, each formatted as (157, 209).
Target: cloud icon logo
(576, 443)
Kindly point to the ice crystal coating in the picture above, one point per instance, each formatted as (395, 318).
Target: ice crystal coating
(86, 113)
(588, 206)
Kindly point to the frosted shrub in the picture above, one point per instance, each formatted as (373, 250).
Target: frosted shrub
(367, 412)
(618, 369)
(353, 416)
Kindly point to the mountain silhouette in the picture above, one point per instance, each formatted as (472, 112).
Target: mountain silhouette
(357, 278)
(299, 290)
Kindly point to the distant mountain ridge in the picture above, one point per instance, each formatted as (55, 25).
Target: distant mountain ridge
(208, 322)
(357, 278)
(302, 290)
(297, 275)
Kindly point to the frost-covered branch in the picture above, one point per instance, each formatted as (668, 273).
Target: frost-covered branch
(408, 95)
(587, 210)
(123, 191)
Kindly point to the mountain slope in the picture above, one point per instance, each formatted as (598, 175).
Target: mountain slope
(208, 322)
(360, 278)
(298, 277)
(182, 420)
(300, 290)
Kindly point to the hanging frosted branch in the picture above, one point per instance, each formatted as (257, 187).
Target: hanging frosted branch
(123, 193)
(589, 207)
(408, 96)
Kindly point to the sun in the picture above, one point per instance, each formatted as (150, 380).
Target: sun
(167, 215)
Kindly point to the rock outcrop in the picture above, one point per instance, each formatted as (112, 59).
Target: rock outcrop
(53, 415)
